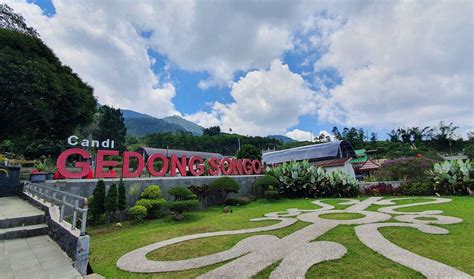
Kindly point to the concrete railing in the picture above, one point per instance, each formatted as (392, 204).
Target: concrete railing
(63, 200)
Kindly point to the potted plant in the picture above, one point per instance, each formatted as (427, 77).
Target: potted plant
(39, 173)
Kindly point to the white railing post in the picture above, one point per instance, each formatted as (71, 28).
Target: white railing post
(61, 211)
(53, 201)
(74, 215)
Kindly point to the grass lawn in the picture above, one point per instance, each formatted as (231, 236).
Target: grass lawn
(456, 249)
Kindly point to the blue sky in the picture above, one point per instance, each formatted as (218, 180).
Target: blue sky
(277, 67)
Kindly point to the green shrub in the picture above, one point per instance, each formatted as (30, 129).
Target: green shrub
(111, 199)
(122, 197)
(138, 213)
(223, 186)
(410, 169)
(272, 195)
(153, 207)
(152, 192)
(301, 179)
(417, 189)
(181, 193)
(453, 177)
(184, 200)
(238, 201)
(267, 180)
(181, 206)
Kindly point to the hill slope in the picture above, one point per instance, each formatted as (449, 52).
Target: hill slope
(140, 124)
(187, 125)
(281, 138)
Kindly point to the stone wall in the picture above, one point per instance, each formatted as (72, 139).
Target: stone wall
(85, 187)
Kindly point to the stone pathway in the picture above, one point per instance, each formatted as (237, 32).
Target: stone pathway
(34, 257)
(25, 249)
(12, 207)
(298, 251)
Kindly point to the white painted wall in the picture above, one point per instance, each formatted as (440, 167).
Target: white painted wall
(347, 168)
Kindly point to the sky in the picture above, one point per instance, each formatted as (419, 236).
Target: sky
(289, 67)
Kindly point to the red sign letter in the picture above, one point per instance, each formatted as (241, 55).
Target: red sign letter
(199, 167)
(101, 163)
(175, 163)
(84, 166)
(164, 166)
(226, 162)
(126, 164)
(213, 166)
(247, 166)
(257, 166)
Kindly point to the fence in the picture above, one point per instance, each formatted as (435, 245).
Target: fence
(63, 200)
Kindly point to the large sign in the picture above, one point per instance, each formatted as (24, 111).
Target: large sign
(172, 166)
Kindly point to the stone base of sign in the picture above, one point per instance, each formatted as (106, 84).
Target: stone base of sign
(85, 187)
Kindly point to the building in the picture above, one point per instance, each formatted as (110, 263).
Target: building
(362, 165)
(334, 155)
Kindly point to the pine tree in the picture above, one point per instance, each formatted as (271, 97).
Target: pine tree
(111, 199)
(122, 199)
(97, 206)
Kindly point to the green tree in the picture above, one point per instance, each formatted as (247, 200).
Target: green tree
(248, 151)
(96, 205)
(110, 125)
(469, 151)
(42, 101)
(122, 198)
(224, 186)
(212, 131)
(111, 200)
(336, 133)
(12, 21)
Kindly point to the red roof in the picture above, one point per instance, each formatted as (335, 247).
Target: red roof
(369, 165)
(333, 162)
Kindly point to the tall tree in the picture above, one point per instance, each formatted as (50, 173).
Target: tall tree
(249, 151)
(110, 125)
(336, 133)
(212, 131)
(42, 101)
(12, 21)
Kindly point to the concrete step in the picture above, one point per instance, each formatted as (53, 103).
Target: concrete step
(23, 231)
(21, 220)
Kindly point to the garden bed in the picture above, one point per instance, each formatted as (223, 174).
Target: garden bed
(109, 243)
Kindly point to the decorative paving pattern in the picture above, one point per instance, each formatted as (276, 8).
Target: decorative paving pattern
(298, 252)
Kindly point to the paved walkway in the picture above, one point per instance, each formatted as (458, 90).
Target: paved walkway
(12, 207)
(34, 258)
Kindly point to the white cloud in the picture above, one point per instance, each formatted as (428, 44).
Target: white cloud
(266, 102)
(300, 135)
(402, 63)
(106, 51)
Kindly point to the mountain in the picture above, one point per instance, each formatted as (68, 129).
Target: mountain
(140, 124)
(187, 125)
(281, 138)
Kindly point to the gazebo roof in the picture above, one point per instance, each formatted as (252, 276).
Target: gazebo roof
(369, 165)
